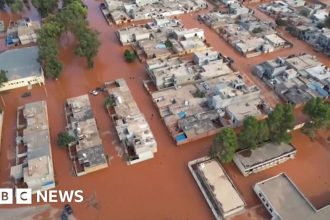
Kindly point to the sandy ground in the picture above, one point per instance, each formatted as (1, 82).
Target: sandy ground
(161, 188)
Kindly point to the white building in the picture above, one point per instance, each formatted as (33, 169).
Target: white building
(23, 68)
(34, 163)
(132, 128)
(217, 188)
(284, 201)
(189, 33)
(204, 57)
(263, 157)
(144, 2)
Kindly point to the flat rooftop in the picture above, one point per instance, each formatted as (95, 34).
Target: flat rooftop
(89, 147)
(262, 154)
(20, 63)
(288, 202)
(80, 107)
(220, 186)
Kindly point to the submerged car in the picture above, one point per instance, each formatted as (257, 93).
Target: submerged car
(68, 210)
(94, 92)
(26, 94)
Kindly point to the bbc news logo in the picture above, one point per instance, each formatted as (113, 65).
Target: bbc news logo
(24, 196)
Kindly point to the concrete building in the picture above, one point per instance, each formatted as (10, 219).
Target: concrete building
(264, 157)
(173, 72)
(133, 34)
(246, 33)
(185, 34)
(233, 97)
(132, 128)
(144, 2)
(34, 163)
(204, 57)
(218, 189)
(189, 113)
(295, 3)
(22, 32)
(163, 22)
(23, 68)
(285, 201)
(86, 152)
(296, 79)
(136, 10)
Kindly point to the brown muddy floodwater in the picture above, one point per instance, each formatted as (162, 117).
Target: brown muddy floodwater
(161, 188)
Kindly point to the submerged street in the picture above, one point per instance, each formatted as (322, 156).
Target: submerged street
(161, 188)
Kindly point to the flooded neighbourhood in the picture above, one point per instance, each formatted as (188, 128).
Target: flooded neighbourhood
(160, 188)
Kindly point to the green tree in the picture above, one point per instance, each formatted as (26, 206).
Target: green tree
(70, 19)
(280, 121)
(168, 44)
(129, 56)
(263, 132)
(3, 77)
(249, 133)
(88, 45)
(15, 5)
(224, 145)
(45, 7)
(280, 22)
(109, 102)
(53, 68)
(318, 112)
(64, 138)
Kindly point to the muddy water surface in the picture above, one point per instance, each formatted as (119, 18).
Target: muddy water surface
(161, 188)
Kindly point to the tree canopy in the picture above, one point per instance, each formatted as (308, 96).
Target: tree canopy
(70, 19)
(248, 136)
(224, 145)
(3, 77)
(280, 121)
(129, 56)
(64, 138)
(14, 5)
(45, 7)
(318, 112)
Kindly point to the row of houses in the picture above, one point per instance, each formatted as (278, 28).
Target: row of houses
(22, 32)
(33, 166)
(131, 126)
(86, 150)
(122, 11)
(162, 38)
(304, 20)
(197, 98)
(246, 33)
(296, 78)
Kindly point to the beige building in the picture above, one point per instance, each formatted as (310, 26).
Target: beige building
(86, 152)
(132, 128)
(23, 68)
(172, 72)
(217, 188)
(284, 201)
(34, 163)
(263, 157)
